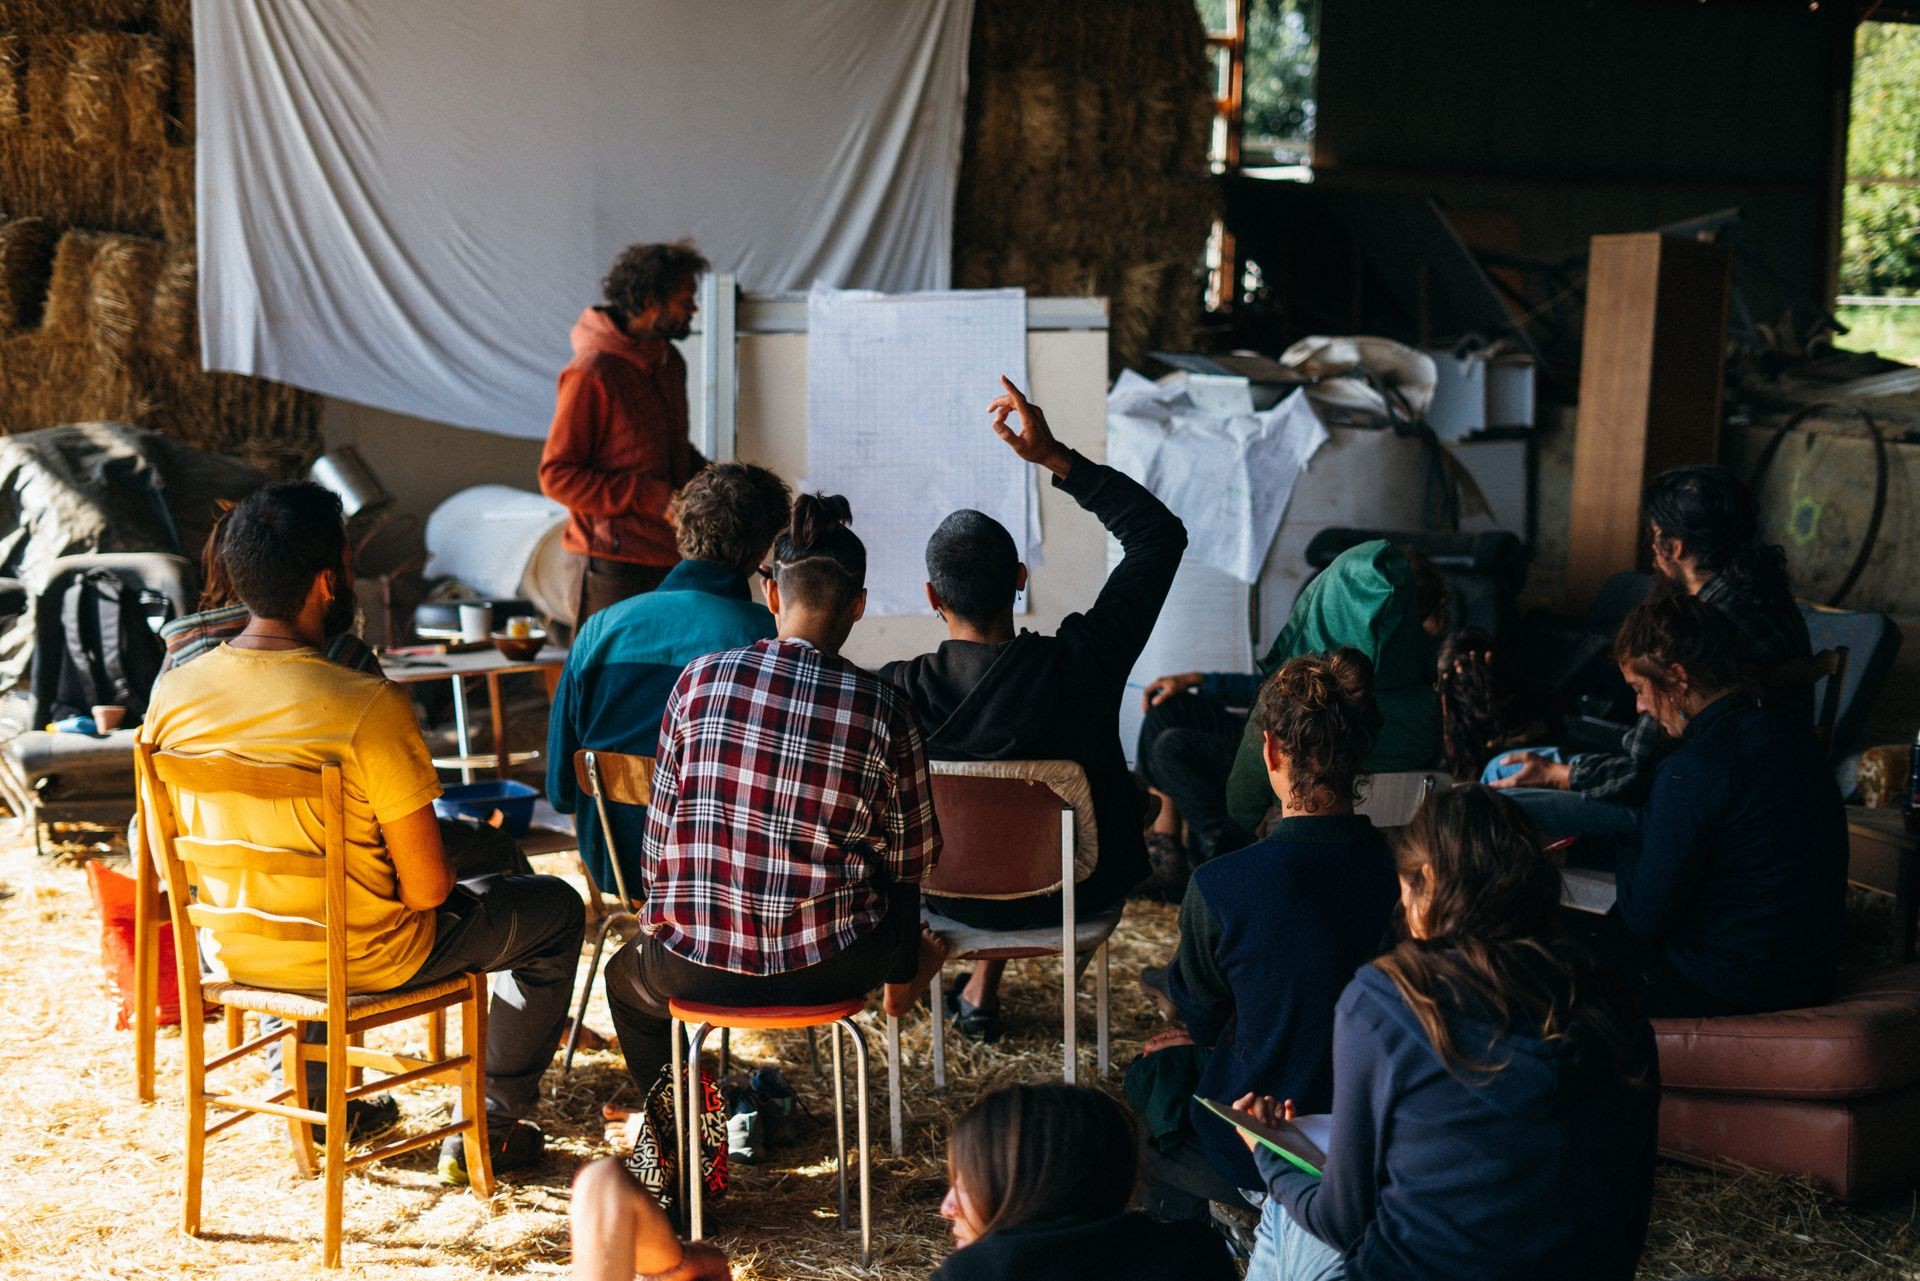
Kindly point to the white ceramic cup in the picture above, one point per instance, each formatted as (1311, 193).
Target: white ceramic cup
(476, 622)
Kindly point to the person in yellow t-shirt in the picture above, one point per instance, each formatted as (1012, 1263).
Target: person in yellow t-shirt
(270, 694)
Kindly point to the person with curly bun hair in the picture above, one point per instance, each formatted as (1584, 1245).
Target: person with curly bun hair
(618, 448)
(626, 658)
(1270, 934)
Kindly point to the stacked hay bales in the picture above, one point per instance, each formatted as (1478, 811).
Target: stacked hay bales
(1085, 164)
(98, 315)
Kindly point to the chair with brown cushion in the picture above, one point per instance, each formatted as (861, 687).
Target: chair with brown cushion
(184, 861)
(1831, 1093)
(1004, 836)
(624, 779)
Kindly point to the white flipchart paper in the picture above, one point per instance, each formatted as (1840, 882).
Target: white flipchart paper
(897, 393)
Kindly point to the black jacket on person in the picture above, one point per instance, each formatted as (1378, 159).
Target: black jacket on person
(1058, 697)
(1121, 1247)
(1740, 876)
(1269, 938)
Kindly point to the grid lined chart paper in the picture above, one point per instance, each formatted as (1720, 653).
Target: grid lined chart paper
(897, 393)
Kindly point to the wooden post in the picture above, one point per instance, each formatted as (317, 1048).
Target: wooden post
(1651, 370)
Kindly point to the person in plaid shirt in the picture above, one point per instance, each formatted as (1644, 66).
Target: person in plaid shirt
(1706, 544)
(792, 816)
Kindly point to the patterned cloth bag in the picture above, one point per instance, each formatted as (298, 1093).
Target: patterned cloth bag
(656, 1160)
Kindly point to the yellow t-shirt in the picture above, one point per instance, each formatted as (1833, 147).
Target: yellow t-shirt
(294, 707)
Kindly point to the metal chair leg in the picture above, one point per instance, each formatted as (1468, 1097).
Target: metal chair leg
(586, 993)
(813, 1052)
(939, 999)
(696, 1225)
(1069, 1022)
(894, 1121)
(866, 1144)
(840, 1121)
(675, 1034)
(726, 1051)
(1100, 996)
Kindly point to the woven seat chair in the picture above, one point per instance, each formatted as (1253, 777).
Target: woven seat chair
(184, 861)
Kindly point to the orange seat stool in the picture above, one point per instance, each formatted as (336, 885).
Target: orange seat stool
(686, 1086)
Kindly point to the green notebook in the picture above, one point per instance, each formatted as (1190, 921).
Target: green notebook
(1301, 1141)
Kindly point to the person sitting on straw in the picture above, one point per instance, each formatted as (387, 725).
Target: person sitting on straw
(792, 817)
(270, 694)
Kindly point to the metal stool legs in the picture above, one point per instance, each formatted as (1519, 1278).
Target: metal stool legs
(586, 991)
(688, 1129)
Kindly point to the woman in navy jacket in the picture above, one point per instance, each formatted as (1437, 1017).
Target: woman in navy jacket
(1494, 1094)
(1736, 897)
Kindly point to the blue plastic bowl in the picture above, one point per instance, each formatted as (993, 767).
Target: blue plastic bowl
(480, 800)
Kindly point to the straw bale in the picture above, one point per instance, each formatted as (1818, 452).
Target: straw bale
(995, 137)
(26, 263)
(1043, 121)
(978, 269)
(1157, 136)
(121, 290)
(13, 82)
(94, 106)
(47, 59)
(70, 286)
(181, 123)
(173, 327)
(1087, 146)
(1070, 277)
(174, 195)
(43, 16)
(173, 22)
(147, 91)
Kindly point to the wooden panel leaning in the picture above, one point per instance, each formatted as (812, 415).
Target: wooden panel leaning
(181, 858)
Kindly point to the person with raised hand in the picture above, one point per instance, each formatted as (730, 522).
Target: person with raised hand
(991, 692)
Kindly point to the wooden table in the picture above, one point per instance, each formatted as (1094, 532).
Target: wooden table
(1882, 855)
(490, 663)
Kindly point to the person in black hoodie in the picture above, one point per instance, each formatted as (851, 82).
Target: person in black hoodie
(1494, 1094)
(990, 694)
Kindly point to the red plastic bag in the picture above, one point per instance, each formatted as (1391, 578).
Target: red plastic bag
(113, 898)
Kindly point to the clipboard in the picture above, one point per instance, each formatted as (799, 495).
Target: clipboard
(1301, 1142)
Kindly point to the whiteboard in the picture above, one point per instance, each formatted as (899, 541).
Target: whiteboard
(1067, 365)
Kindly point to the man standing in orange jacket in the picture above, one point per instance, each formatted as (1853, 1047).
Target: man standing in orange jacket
(618, 447)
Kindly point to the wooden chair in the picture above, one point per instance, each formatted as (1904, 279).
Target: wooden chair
(1801, 677)
(624, 779)
(1005, 838)
(184, 860)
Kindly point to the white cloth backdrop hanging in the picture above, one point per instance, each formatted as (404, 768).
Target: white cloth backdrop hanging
(407, 204)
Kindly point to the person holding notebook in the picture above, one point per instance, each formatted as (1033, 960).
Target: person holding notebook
(1495, 1095)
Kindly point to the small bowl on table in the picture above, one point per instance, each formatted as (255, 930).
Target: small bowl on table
(519, 649)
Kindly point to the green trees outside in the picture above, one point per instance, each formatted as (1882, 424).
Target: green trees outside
(1880, 225)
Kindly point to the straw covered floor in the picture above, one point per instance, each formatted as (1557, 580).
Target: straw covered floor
(90, 1180)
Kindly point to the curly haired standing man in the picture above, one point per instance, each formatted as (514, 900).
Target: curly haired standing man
(618, 447)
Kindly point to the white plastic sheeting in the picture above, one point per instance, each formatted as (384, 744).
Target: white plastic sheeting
(407, 204)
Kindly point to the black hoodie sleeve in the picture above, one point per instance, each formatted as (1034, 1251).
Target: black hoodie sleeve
(1152, 539)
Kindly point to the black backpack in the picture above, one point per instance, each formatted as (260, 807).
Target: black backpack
(95, 645)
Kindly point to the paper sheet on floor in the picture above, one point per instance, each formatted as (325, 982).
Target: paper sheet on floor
(897, 393)
(1228, 476)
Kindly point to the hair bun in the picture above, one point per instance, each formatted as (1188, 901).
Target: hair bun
(1353, 671)
(817, 516)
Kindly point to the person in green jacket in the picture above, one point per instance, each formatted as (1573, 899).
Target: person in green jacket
(1377, 597)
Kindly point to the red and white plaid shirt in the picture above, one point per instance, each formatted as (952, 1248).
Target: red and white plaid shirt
(791, 786)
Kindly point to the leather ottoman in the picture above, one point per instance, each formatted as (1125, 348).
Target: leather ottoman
(1831, 1093)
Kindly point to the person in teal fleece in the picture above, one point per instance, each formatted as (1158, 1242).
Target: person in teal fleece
(625, 660)
(1376, 597)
